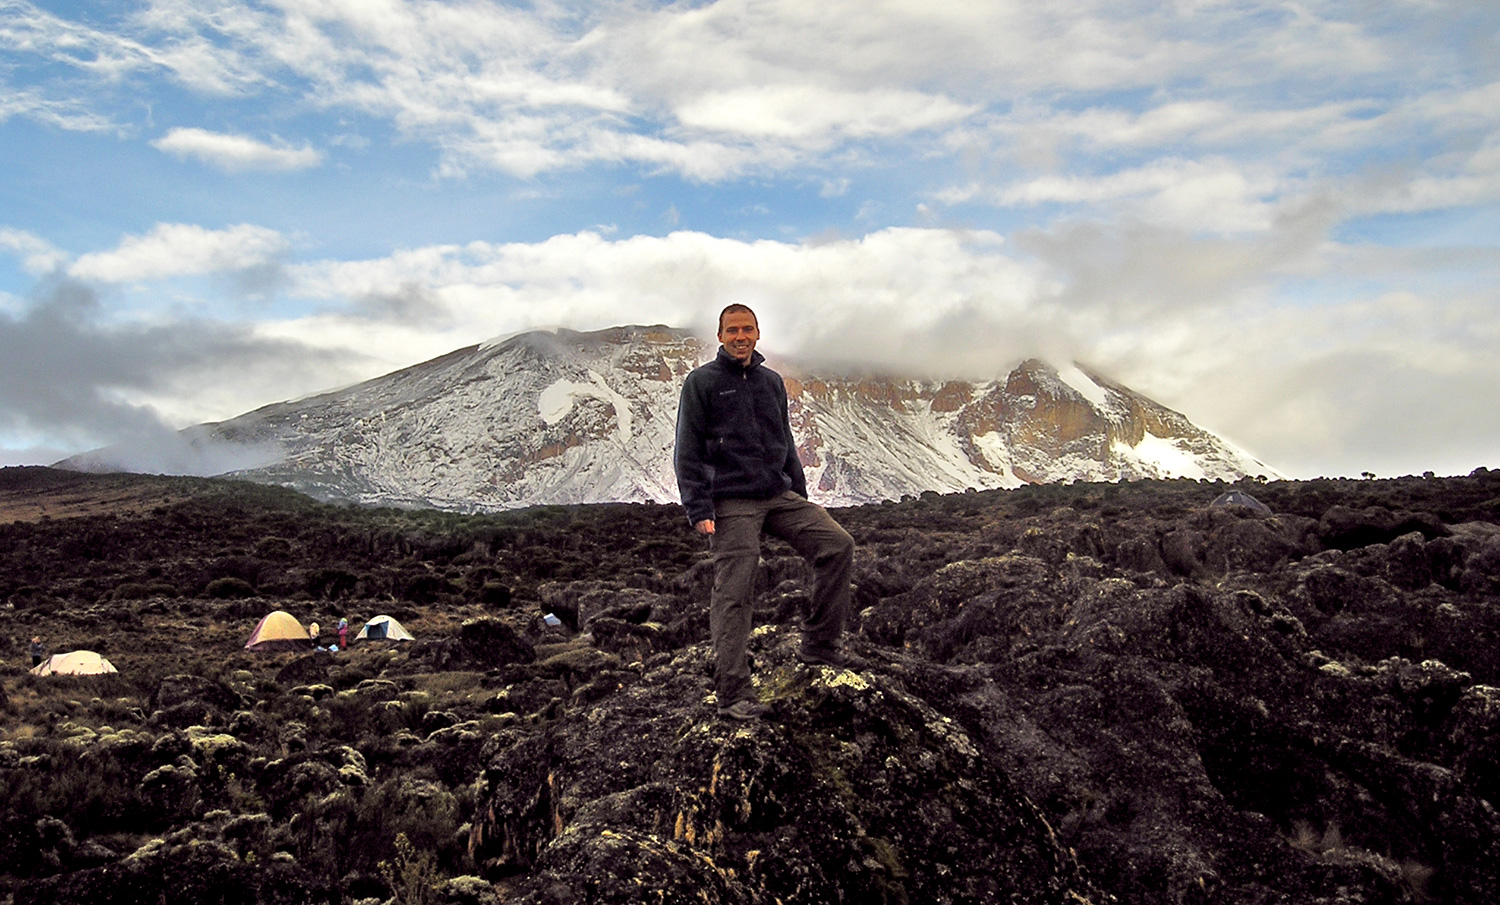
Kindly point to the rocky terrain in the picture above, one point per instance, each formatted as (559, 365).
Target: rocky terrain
(564, 417)
(1102, 693)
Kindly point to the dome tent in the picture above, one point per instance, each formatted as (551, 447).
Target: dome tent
(75, 663)
(383, 628)
(279, 630)
(1240, 498)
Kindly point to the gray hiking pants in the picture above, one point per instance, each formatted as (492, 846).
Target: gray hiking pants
(813, 533)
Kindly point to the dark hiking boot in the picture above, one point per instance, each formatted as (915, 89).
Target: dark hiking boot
(744, 710)
(824, 655)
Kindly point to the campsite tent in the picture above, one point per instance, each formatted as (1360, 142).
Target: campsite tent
(1240, 498)
(278, 631)
(383, 628)
(76, 663)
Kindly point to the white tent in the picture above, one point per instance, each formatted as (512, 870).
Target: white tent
(1240, 498)
(76, 663)
(383, 628)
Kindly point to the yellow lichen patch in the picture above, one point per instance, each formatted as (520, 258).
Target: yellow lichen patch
(848, 679)
(953, 735)
(74, 733)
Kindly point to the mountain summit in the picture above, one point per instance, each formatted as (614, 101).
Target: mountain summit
(567, 417)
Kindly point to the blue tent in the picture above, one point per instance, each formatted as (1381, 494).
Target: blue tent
(383, 628)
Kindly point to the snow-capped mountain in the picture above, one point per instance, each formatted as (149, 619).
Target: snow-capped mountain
(567, 417)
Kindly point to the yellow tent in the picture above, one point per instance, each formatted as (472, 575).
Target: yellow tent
(76, 663)
(278, 631)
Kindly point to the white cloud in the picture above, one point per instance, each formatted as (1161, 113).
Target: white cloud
(26, 27)
(38, 256)
(1213, 195)
(736, 87)
(873, 300)
(1210, 123)
(1201, 324)
(805, 112)
(179, 249)
(63, 113)
(1197, 323)
(1454, 181)
(236, 152)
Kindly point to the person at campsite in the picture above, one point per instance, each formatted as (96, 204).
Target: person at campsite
(738, 476)
(312, 633)
(343, 634)
(38, 652)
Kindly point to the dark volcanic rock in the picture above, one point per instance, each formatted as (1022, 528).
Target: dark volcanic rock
(182, 701)
(857, 791)
(1095, 693)
(484, 643)
(491, 643)
(182, 872)
(305, 669)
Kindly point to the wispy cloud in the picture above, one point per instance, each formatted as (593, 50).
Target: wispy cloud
(236, 152)
(716, 91)
(63, 113)
(179, 249)
(38, 256)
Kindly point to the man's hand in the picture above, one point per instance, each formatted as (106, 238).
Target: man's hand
(705, 527)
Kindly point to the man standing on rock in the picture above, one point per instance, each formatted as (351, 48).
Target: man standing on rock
(738, 475)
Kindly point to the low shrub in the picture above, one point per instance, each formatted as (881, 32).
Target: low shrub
(229, 589)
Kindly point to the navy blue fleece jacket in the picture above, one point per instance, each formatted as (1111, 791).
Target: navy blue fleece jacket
(734, 438)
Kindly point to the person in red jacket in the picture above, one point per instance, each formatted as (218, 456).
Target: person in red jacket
(738, 476)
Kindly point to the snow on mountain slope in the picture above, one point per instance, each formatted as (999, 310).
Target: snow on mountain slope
(565, 417)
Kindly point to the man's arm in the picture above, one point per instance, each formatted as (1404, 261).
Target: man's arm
(693, 473)
(793, 465)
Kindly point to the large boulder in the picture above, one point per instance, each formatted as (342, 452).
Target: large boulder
(188, 700)
(858, 792)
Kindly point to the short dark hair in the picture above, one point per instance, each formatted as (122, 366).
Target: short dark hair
(736, 308)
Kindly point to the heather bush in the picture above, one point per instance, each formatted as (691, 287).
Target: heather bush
(91, 788)
(229, 588)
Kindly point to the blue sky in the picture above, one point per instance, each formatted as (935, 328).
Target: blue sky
(1281, 219)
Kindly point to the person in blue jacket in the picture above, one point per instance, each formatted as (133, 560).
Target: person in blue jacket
(738, 475)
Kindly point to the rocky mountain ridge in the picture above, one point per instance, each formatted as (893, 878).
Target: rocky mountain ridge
(567, 417)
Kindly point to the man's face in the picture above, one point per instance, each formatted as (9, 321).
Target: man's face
(739, 333)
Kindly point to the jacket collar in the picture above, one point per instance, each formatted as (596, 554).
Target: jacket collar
(729, 361)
